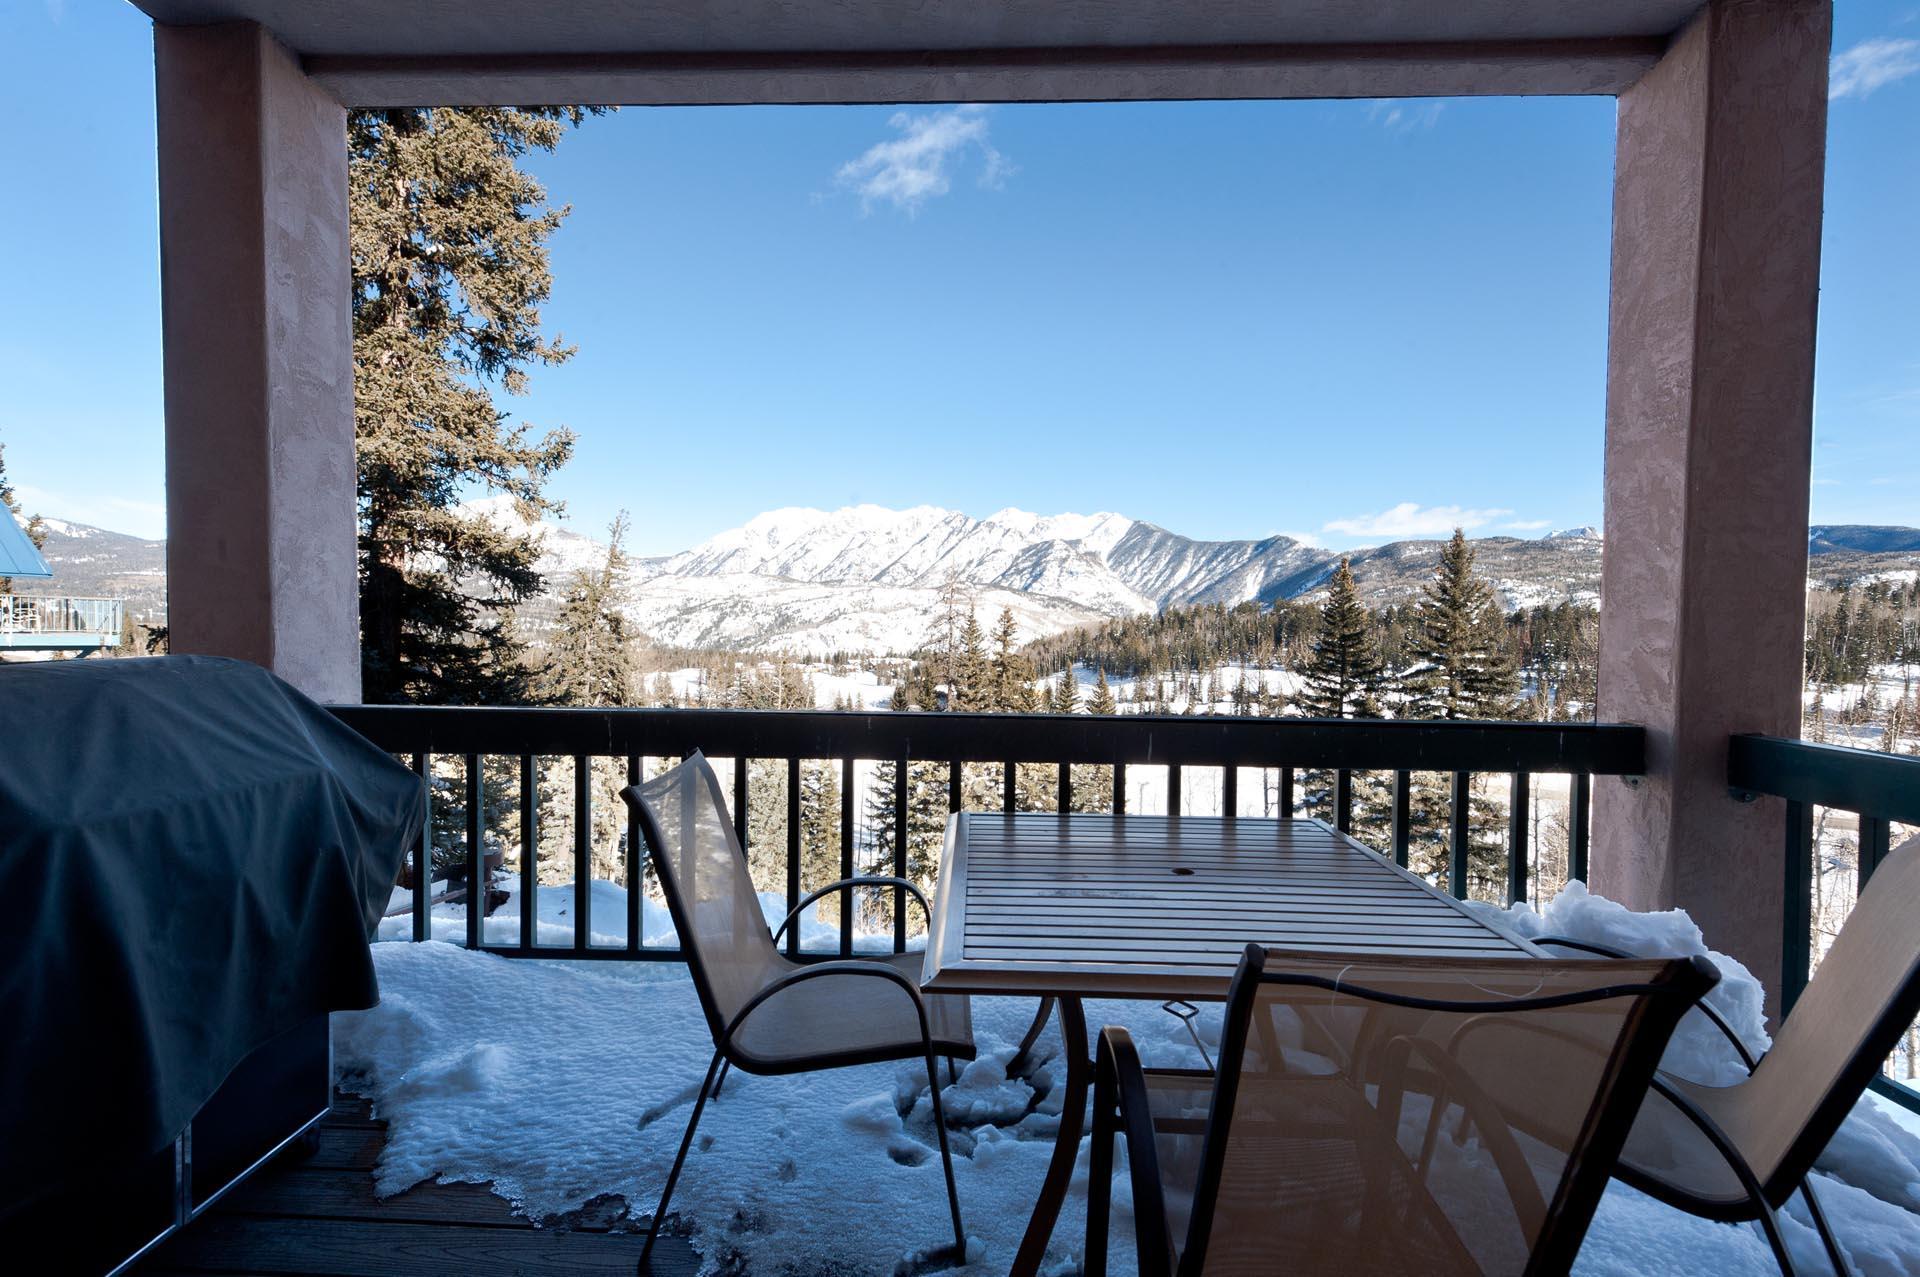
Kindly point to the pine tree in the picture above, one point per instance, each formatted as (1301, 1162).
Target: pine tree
(972, 687)
(1066, 694)
(1012, 674)
(450, 267)
(1101, 702)
(1460, 637)
(1344, 676)
(590, 659)
(35, 528)
(926, 827)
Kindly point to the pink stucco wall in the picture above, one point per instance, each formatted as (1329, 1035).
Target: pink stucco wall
(259, 359)
(1716, 251)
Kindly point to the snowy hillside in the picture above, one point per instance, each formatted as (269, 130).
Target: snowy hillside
(867, 578)
(772, 614)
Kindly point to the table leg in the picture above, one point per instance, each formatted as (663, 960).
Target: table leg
(1066, 1146)
(1021, 1061)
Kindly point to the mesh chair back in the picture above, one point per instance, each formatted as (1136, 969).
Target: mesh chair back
(1851, 1015)
(703, 875)
(1469, 1127)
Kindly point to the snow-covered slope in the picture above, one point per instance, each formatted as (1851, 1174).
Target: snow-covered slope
(776, 614)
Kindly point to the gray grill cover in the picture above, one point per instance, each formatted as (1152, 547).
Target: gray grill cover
(192, 858)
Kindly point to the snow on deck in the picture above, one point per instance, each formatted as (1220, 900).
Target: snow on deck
(558, 1082)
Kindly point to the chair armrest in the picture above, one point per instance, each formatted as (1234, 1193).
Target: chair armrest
(845, 884)
(820, 970)
(1608, 951)
(1118, 1073)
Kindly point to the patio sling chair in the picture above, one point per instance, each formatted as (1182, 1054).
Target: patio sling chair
(1380, 1114)
(1738, 1153)
(767, 1014)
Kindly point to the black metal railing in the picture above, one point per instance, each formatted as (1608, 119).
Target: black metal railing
(1880, 790)
(1339, 748)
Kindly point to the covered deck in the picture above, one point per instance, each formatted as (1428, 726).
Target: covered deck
(1678, 797)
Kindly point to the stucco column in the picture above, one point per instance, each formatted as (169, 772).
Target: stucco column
(259, 359)
(1716, 258)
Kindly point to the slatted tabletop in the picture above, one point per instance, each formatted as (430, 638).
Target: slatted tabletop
(1129, 905)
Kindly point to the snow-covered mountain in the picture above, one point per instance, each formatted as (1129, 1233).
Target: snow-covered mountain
(867, 578)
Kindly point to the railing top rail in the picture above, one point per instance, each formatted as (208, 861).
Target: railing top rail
(1882, 786)
(1359, 744)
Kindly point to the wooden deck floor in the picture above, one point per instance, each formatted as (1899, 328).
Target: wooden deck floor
(318, 1214)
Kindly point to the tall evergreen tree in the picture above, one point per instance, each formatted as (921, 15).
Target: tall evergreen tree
(1012, 676)
(972, 685)
(1460, 637)
(1066, 694)
(1344, 675)
(1101, 702)
(590, 658)
(450, 267)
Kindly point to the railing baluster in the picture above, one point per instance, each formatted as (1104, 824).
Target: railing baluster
(955, 794)
(740, 802)
(1579, 807)
(529, 852)
(1119, 789)
(1286, 793)
(1876, 837)
(1173, 789)
(582, 850)
(423, 852)
(476, 853)
(848, 897)
(1007, 803)
(903, 766)
(1343, 800)
(1517, 820)
(1229, 790)
(793, 852)
(1459, 838)
(1402, 816)
(1063, 787)
(1796, 950)
(636, 869)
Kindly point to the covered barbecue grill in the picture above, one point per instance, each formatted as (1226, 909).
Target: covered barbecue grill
(192, 858)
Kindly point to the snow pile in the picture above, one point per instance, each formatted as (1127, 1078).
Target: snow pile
(1868, 1179)
(1698, 1051)
(588, 1092)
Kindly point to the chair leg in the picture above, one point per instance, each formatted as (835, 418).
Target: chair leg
(1770, 1229)
(1019, 1060)
(946, 1155)
(721, 1081)
(673, 1176)
(1100, 1176)
(1835, 1256)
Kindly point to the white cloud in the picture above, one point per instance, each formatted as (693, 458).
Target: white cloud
(1872, 64)
(146, 519)
(913, 168)
(1399, 116)
(1409, 519)
(1527, 525)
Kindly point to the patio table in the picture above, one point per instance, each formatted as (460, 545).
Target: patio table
(1068, 907)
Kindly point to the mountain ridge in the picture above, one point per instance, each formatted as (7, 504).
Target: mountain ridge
(869, 578)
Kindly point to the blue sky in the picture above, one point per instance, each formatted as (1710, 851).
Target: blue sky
(1352, 321)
